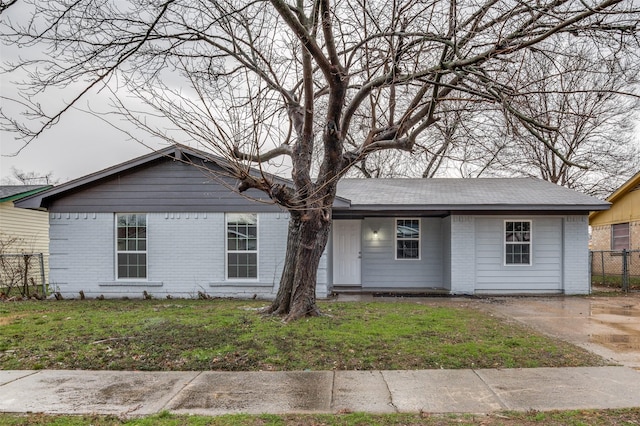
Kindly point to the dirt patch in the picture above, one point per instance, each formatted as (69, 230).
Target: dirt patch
(9, 319)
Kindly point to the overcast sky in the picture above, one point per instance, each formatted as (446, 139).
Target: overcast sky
(78, 145)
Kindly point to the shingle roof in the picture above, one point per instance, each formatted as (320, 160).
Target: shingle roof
(464, 194)
(436, 195)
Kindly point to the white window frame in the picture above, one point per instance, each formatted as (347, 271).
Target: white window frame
(227, 251)
(145, 251)
(396, 239)
(507, 243)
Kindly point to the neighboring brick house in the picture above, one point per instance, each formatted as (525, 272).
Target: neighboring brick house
(619, 227)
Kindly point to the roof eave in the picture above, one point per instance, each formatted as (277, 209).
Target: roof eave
(25, 194)
(481, 207)
(624, 188)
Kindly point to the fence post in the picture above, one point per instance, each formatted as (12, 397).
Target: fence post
(590, 271)
(25, 282)
(602, 264)
(42, 277)
(625, 271)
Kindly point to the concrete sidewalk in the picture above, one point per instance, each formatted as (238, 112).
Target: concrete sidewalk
(126, 393)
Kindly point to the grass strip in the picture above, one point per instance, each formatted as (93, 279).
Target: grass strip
(552, 418)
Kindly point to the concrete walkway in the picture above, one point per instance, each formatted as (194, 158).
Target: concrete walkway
(213, 393)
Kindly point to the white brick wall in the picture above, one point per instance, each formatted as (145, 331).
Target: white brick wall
(576, 255)
(81, 251)
(186, 254)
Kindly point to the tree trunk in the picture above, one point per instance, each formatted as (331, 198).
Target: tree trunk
(314, 234)
(306, 243)
(282, 302)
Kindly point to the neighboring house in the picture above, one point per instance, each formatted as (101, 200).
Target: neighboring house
(22, 231)
(161, 225)
(619, 227)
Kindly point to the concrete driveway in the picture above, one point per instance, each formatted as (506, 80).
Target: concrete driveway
(607, 326)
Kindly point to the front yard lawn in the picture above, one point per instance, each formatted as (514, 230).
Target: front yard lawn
(229, 335)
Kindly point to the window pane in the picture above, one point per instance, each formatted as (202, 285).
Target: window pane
(132, 265)
(242, 218)
(408, 229)
(517, 254)
(407, 249)
(242, 265)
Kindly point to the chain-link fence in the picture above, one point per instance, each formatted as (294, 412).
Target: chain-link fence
(22, 275)
(616, 269)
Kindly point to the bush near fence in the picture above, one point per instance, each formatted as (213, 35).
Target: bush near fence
(22, 275)
(617, 269)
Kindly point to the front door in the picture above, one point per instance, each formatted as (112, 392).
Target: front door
(346, 252)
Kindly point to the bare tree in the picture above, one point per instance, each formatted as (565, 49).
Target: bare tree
(587, 104)
(20, 177)
(580, 98)
(259, 81)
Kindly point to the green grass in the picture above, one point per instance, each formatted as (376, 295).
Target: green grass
(565, 418)
(230, 336)
(614, 281)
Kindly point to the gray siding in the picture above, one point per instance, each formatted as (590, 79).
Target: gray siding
(544, 275)
(164, 186)
(446, 252)
(186, 254)
(381, 270)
